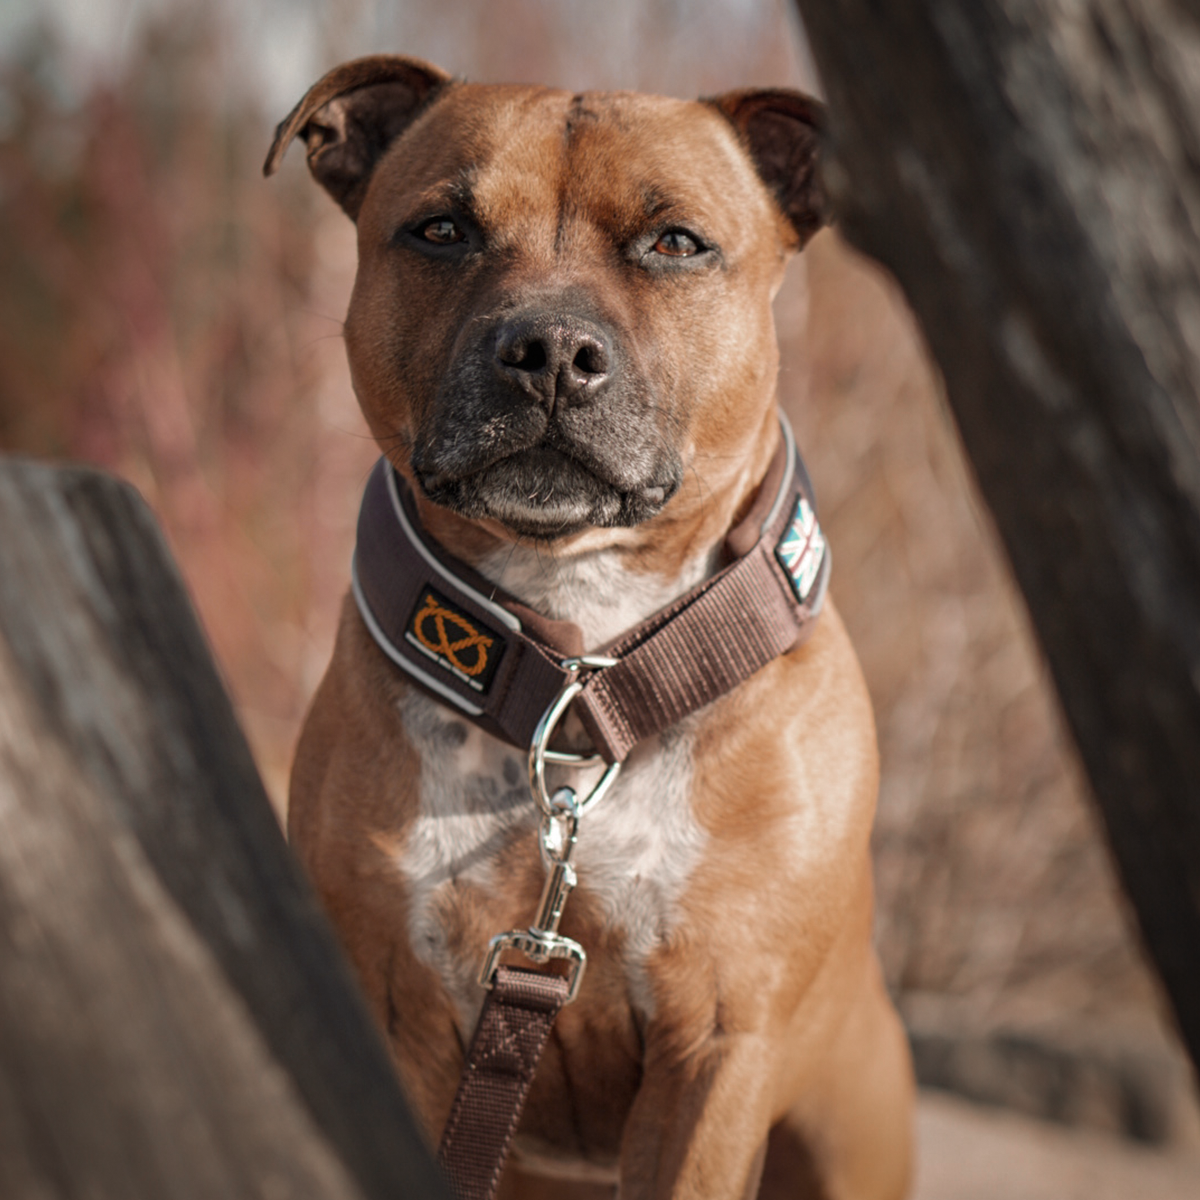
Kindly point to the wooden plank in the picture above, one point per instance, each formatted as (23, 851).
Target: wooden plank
(1028, 169)
(175, 1017)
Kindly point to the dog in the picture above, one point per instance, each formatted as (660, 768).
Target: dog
(561, 337)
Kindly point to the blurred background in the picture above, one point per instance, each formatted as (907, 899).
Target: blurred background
(167, 314)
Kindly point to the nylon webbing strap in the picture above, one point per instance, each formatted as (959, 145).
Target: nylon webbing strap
(512, 1031)
(695, 652)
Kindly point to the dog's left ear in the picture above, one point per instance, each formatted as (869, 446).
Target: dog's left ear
(782, 131)
(351, 116)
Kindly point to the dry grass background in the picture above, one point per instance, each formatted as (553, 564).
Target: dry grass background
(166, 314)
(1002, 930)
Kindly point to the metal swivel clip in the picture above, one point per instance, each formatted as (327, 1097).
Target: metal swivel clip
(557, 836)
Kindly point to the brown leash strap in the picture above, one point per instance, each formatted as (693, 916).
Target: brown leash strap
(513, 1027)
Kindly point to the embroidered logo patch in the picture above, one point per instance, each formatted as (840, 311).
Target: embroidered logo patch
(801, 549)
(442, 631)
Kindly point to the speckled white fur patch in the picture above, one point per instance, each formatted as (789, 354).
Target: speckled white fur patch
(636, 849)
(473, 794)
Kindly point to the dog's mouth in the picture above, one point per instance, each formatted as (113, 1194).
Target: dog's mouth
(545, 492)
(544, 422)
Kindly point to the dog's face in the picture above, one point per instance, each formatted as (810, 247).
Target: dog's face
(562, 307)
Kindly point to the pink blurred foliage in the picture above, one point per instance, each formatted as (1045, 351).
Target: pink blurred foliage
(163, 317)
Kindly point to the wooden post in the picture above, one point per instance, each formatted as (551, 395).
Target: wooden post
(176, 1020)
(1030, 172)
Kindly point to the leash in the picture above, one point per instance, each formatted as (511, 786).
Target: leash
(516, 673)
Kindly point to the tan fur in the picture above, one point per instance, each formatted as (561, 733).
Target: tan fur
(760, 1004)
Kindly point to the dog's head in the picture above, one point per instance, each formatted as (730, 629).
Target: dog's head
(562, 308)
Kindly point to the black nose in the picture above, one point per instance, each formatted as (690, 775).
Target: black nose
(555, 358)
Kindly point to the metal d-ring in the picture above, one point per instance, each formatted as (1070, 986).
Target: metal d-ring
(540, 755)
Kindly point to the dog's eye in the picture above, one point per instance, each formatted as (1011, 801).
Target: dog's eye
(676, 244)
(442, 232)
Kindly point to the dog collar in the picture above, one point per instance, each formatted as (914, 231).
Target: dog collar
(502, 665)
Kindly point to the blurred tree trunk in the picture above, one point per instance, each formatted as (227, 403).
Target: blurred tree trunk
(176, 1021)
(1030, 172)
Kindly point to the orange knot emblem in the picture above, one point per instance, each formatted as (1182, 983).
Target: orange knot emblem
(448, 635)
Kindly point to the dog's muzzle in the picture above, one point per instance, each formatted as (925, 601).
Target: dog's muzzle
(544, 424)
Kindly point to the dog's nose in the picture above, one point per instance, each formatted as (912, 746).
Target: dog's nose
(555, 358)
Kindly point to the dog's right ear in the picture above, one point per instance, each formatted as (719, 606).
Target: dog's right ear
(782, 132)
(350, 117)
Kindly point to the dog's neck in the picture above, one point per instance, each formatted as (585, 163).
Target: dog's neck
(592, 589)
(607, 581)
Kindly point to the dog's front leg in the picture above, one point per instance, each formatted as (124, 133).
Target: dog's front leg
(700, 1121)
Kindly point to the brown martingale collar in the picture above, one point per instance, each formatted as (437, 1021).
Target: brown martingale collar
(515, 673)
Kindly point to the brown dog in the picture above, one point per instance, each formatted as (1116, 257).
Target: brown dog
(561, 336)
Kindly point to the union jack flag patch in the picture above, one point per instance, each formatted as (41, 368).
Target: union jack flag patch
(801, 550)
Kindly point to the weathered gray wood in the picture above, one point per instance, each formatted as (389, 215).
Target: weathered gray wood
(175, 1018)
(1030, 172)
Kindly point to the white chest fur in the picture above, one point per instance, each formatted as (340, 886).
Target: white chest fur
(637, 848)
(593, 589)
